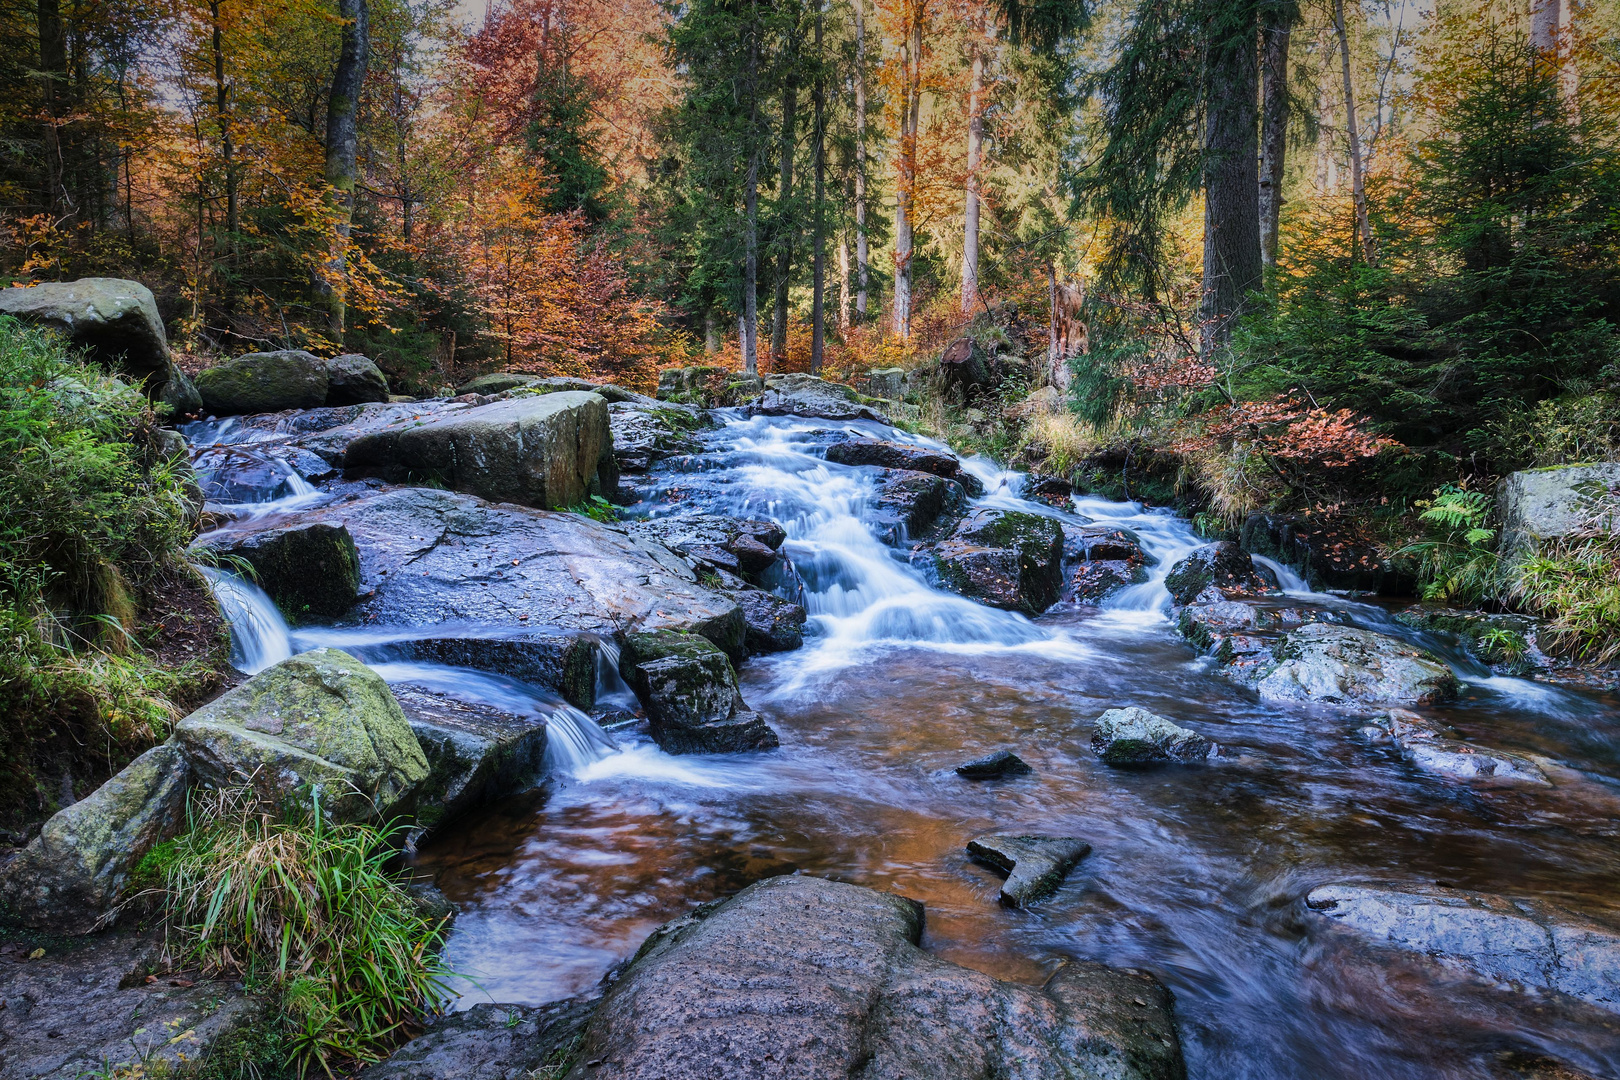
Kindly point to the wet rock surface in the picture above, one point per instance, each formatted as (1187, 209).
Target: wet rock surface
(806, 395)
(994, 766)
(92, 1009)
(909, 505)
(799, 977)
(1345, 665)
(475, 753)
(894, 455)
(690, 691)
(1133, 736)
(1006, 559)
(1433, 747)
(644, 436)
(1323, 551)
(545, 451)
(1035, 865)
(1529, 943)
(1222, 566)
(735, 545)
(310, 569)
(491, 1042)
(773, 624)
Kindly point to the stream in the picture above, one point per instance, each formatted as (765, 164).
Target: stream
(1197, 873)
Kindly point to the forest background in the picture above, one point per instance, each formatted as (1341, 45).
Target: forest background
(1330, 252)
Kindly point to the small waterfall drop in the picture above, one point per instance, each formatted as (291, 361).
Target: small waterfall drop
(259, 635)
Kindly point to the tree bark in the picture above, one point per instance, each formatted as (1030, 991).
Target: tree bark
(863, 279)
(818, 273)
(1549, 36)
(843, 282)
(342, 143)
(1231, 177)
(750, 327)
(786, 225)
(222, 116)
(910, 109)
(970, 215)
(1276, 28)
(53, 94)
(1358, 187)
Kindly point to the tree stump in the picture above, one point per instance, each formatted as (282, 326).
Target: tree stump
(965, 364)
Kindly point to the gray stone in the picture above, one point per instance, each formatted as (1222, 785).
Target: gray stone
(353, 379)
(1035, 865)
(498, 382)
(1539, 505)
(774, 624)
(908, 505)
(735, 545)
(559, 659)
(1133, 736)
(475, 753)
(90, 1012)
(1531, 943)
(994, 766)
(1429, 745)
(439, 559)
(690, 692)
(264, 382)
(894, 455)
(1004, 558)
(1222, 566)
(319, 722)
(310, 569)
(115, 321)
(73, 873)
(1343, 665)
(542, 451)
(175, 389)
(797, 978)
(644, 436)
(492, 1042)
(888, 383)
(806, 395)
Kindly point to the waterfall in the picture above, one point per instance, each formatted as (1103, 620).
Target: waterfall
(259, 635)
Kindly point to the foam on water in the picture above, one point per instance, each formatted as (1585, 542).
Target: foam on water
(259, 635)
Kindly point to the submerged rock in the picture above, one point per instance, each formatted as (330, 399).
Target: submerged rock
(1428, 744)
(1222, 566)
(1531, 943)
(907, 504)
(544, 451)
(690, 691)
(309, 569)
(805, 979)
(73, 873)
(992, 766)
(894, 455)
(321, 721)
(490, 1042)
(1133, 736)
(1346, 666)
(265, 382)
(1035, 865)
(1004, 558)
(89, 1012)
(806, 395)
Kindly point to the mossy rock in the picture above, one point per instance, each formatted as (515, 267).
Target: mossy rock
(265, 382)
(310, 570)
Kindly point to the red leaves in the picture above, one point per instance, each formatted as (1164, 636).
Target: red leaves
(1288, 429)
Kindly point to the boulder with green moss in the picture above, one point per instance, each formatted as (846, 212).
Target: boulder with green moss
(320, 721)
(310, 569)
(265, 382)
(806, 395)
(113, 320)
(72, 874)
(1541, 505)
(1343, 665)
(546, 451)
(1004, 558)
(353, 379)
(497, 383)
(690, 691)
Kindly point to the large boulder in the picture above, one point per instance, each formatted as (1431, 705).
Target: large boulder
(744, 546)
(644, 436)
(475, 753)
(907, 505)
(799, 978)
(265, 382)
(773, 624)
(1133, 736)
(1528, 943)
(115, 321)
(438, 560)
(1222, 566)
(1343, 665)
(498, 383)
(71, 875)
(541, 451)
(318, 722)
(353, 379)
(1005, 558)
(1539, 505)
(806, 395)
(310, 569)
(690, 691)
(894, 455)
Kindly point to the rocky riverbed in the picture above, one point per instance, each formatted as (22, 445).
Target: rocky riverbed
(1249, 830)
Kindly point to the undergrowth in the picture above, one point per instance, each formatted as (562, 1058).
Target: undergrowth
(308, 912)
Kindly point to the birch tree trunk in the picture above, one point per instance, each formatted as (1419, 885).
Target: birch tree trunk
(861, 254)
(970, 215)
(1358, 187)
(1549, 36)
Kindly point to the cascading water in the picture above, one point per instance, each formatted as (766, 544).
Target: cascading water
(1196, 873)
(259, 635)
